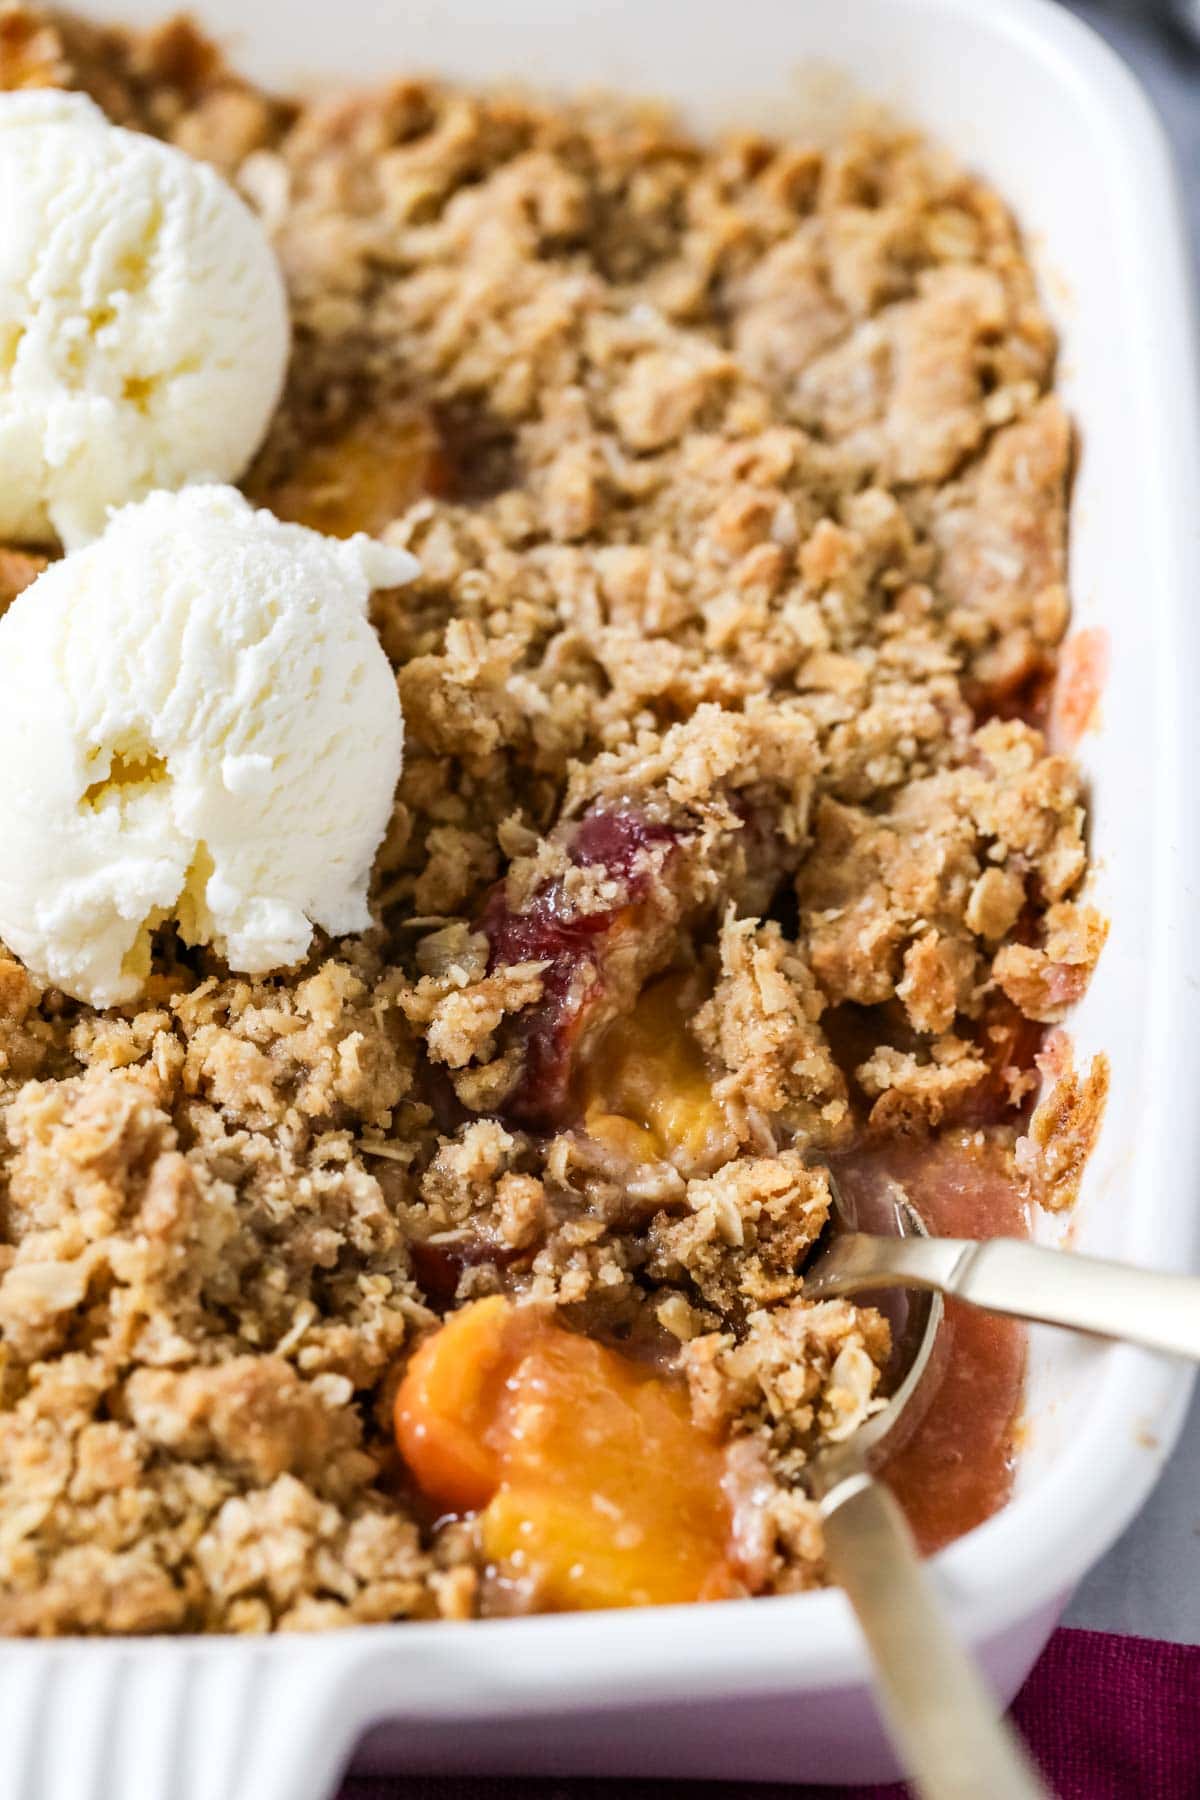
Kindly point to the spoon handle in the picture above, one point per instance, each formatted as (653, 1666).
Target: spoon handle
(1029, 1281)
(942, 1719)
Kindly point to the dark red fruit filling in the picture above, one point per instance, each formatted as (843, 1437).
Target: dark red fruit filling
(576, 947)
(439, 1266)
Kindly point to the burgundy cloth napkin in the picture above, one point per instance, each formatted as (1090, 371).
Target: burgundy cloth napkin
(1108, 1718)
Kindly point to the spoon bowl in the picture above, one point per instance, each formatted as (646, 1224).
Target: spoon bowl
(915, 1317)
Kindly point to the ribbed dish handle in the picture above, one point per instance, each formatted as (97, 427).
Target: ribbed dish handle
(173, 1722)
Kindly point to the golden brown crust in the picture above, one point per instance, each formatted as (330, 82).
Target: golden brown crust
(1064, 1128)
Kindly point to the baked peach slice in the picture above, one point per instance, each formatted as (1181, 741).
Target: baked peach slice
(593, 1485)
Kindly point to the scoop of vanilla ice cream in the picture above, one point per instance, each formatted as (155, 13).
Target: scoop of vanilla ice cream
(143, 319)
(197, 722)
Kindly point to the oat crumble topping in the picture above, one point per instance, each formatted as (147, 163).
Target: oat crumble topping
(738, 483)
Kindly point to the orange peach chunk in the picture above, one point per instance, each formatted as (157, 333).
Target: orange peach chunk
(647, 1088)
(596, 1488)
(361, 480)
(448, 1400)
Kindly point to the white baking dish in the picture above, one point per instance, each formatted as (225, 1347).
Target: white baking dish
(780, 1688)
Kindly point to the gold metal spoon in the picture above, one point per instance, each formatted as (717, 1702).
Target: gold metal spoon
(1007, 1275)
(944, 1722)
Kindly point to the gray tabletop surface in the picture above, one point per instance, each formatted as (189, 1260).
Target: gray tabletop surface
(1149, 1583)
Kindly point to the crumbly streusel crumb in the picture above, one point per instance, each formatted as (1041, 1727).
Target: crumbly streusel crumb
(1064, 1127)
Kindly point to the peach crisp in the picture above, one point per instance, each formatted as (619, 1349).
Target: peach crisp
(459, 1269)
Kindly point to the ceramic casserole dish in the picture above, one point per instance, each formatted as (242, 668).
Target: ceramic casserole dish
(779, 1689)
